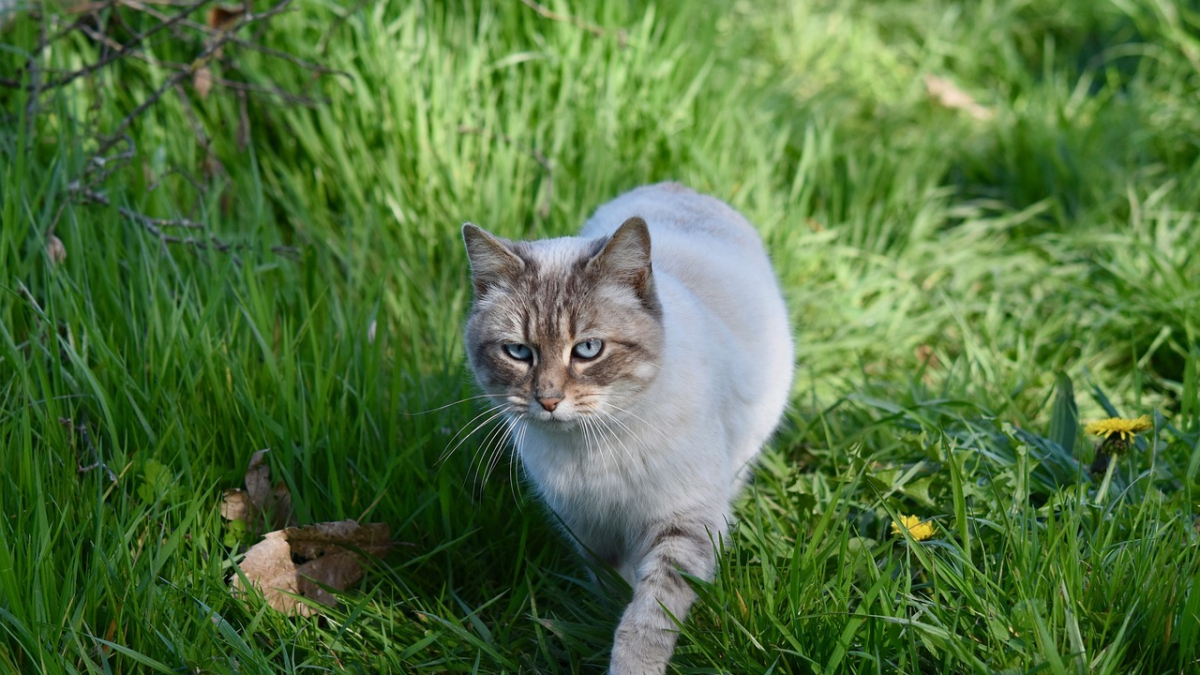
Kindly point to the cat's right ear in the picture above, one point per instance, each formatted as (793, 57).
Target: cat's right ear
(492, 262)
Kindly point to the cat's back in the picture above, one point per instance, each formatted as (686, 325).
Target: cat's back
(708, 247)
(679, 218)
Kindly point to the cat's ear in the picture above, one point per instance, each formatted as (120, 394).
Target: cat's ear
(626, 256)
(492, 262)
(627, 251)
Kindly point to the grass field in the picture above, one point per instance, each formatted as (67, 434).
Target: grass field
(968, 286)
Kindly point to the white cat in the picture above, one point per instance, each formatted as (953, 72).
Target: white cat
(642, 365)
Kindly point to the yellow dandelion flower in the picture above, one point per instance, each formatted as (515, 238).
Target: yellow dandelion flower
(919, 530)
(1125, 429)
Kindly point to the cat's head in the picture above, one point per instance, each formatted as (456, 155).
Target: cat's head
(564, 328)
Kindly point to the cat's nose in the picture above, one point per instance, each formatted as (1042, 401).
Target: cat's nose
(549, 402)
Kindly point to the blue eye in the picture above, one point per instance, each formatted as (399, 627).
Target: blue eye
(588, 349)
(519, 352)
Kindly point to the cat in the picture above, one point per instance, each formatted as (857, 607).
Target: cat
(641, 366)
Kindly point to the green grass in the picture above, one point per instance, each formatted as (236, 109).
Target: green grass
(964, 293)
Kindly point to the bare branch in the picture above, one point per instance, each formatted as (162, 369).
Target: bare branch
(120, 30)
(82, 429)
(251, 88)
(123, 51)
(592, 28)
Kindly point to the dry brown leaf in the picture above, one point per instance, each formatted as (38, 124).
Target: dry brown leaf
(300, 561)
(55, 250)
(202, 80)
(224, 18)
(927, 357)
(259, 498)
(258, 479)
(236, 505)
(281, 507)
(947, 94)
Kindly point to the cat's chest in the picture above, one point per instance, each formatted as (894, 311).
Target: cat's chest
(616, 477)
(582, 466)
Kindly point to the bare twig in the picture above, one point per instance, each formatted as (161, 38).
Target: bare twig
(316, 68)
(35, 81)
(219, 39)
(243, 130)
(100, 167)
(248, 87)
(136, 54)
(592, 28)
(197, 129)
(110, 25)
(82, 429)
(323, 43)
(155, 225)
(123, 51)
(543, 211)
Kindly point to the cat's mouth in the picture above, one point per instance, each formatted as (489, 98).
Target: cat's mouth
(563, 416)
(557, 418)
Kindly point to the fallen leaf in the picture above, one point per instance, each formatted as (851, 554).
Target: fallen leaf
(55, 250)
(304, 561)
(224, 18)
(260, 500)
(258, 479)
(947, 94)
(236, 505)
(202, 80)
(927, 357)
(929, 362)
(281, 507)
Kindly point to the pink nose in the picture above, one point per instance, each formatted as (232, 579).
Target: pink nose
(549, 402)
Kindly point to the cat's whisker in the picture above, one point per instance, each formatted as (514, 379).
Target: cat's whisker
(452, 404)
(483, 454)
(497, 451)
(633, 435)
(640, 419)
(515, 484)
(603, 423)
(610, 451)
(583, 433)
(471, 421)
(482, 449)
(615, 449)
(591, 441)
(451, 449)
(505, 442)
(493, 413)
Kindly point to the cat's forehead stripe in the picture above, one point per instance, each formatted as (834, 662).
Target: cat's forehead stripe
(552, 288)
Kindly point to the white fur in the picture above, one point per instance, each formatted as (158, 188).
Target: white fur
(687, 443)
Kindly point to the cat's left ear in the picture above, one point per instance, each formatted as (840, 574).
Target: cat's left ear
(492, 262)
(626, 256)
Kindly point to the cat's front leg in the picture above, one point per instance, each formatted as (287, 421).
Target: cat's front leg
(646, 635)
